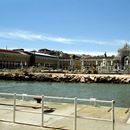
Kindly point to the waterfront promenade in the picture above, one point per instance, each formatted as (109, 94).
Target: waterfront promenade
(122, 115)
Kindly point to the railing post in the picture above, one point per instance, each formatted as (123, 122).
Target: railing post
(113, 115)
(14, 107)
(75, 113)
(42, 124)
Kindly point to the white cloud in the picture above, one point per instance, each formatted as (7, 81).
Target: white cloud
(93, 41)
(57, 39)
(25, 35)
(32, 36)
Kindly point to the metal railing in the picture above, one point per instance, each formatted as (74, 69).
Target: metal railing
(75, 101)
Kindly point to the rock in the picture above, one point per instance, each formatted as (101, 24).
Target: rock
(26, 77)
(92, 78)
(128, 80)
(52, 77)
(82, 79)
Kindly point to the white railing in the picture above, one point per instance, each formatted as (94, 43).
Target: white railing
(75, 101)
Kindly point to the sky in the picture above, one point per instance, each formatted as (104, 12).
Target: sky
(73, 26)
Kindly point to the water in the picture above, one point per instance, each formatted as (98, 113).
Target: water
(118, 92)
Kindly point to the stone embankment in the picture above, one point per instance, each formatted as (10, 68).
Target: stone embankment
(57, 77)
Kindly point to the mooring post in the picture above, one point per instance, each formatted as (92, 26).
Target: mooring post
(42, 124)
(14, 107)
(113, 115)
(75, 113)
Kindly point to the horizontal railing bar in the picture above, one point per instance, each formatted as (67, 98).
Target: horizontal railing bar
(47, 97)
(50, 97)
(92, 118)
(26, 95)
(103, 101)
(16, 108)
(64, 98)
(8, 94)
(89, 100)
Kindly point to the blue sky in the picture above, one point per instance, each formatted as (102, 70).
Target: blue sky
(74, 26)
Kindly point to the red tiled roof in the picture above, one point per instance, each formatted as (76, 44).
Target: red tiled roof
(8, 51)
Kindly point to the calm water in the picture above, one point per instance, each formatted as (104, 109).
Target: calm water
(118, 92)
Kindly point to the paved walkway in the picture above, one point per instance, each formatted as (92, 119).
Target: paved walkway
(53, 122)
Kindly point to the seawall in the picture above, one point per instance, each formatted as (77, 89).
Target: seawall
(65, 77)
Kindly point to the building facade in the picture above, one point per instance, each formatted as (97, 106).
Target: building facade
(12, 59)
(120, 63)
(109, 64)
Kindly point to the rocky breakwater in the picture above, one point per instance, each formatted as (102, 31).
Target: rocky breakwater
(59, 77)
